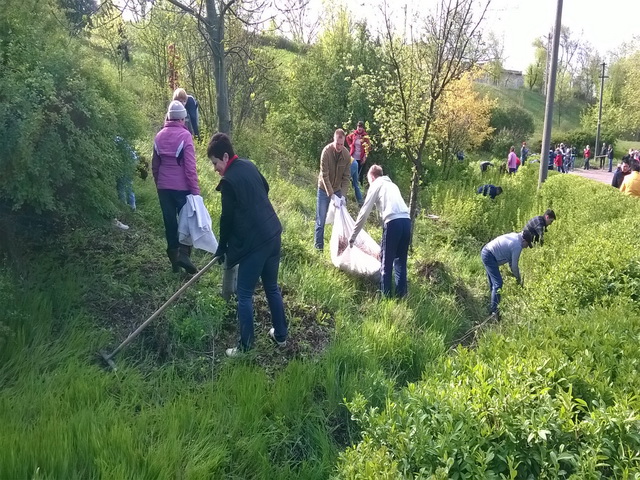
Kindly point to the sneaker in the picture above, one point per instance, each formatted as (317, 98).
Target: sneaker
(272, 336)
(120, 225)
(233, 352)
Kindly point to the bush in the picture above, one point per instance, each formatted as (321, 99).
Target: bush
(512, 126)
(61, 115)
(552, 393)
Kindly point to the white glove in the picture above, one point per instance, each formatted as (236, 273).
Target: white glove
(336, 200)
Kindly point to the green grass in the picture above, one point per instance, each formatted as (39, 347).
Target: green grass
(567, 118)
(177, 408)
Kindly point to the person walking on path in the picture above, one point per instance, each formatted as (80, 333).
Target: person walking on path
(603, 155)
(396, 229)
(333, 181)
(359, 144)
(610, 157)
(175, 175)
(191, 105)
(631, 183)
(537, 226)
(621, 172)
(558, 162)
(250, 237)
(587, 156)
(512, 160)
(503, 249)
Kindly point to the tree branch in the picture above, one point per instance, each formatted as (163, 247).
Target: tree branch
(188, 10)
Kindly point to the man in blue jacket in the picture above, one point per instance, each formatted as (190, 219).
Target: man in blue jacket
(250, 237)
(503, 249)
(489, 190)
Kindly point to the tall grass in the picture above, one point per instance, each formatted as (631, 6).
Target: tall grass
(177, 408)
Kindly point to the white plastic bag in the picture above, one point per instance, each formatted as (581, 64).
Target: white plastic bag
(364, 257)
(194, 225)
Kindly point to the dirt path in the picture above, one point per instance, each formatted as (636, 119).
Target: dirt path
(600, 175)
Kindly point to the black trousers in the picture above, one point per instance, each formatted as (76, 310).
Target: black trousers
(171, 202)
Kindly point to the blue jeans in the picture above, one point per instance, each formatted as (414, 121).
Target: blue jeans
(396, 235)
(493, 275)
(262, 263)
(512, 170)
(125, 191)
(171, 202)
(354, 181)
(610, 164)
(322, 205)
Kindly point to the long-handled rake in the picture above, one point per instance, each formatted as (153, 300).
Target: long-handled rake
(108, 358)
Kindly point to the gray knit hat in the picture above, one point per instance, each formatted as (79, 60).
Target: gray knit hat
(176, 111)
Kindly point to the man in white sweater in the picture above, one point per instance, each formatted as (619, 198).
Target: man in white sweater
(396, 230)
(503, 249)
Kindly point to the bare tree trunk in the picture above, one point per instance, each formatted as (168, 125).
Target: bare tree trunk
(215, 29)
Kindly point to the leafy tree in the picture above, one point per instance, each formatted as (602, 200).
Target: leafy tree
(495, 53)
(420, 65)
(61, 113)
(327, 87)
(462, 119)
(511, 125)
(621, 103)
(108, 33)
(78, 13)
(534, 74)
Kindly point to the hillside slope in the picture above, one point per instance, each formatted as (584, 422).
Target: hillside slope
(564, 119)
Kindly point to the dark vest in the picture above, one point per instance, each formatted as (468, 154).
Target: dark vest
(254, 220)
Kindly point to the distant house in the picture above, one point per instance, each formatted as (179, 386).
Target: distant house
(508, 79)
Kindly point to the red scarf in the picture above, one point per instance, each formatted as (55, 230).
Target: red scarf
(229, 164)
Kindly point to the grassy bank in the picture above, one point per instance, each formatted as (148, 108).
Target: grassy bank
(177, 408)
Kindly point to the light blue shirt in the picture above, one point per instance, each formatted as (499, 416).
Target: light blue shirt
(506, 249)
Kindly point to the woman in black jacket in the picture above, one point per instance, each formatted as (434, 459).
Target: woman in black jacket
(250, 237)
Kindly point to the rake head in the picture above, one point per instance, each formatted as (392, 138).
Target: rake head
(107, 359)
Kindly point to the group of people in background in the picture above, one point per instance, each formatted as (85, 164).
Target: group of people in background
(562, 158)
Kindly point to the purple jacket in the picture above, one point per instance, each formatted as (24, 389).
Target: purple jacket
(174, 159)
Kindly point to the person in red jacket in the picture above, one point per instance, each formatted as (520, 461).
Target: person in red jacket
(359, 144)
(587, 156)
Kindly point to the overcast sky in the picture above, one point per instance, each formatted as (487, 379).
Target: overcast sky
(605, 24)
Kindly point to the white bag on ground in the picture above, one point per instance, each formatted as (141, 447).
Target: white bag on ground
(194, 225)
(364, 257)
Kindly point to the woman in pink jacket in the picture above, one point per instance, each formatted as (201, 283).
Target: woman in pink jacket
(174, 171)
(512, 160)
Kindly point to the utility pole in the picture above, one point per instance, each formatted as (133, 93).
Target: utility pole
(551, 90)
(546, 65)
(602, 77)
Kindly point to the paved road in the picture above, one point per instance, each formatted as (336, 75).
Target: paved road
(600, 175)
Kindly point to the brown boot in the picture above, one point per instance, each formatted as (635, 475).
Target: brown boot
(184, 259)
(173, 254)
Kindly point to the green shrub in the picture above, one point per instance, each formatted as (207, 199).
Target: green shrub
(514, 409)
(512, 126)
(552, 392)
(62, 112)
